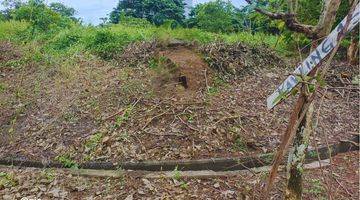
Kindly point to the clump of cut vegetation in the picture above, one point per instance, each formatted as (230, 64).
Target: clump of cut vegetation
(237, 60)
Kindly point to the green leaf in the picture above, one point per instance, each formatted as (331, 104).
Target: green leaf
(294, 91)
(311, 88)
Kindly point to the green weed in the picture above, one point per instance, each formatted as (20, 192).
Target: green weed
(184, 185)
(213, 91)
(7, 180)
(120, 173)
(66, 39)
(176, 174)
(313, 154)
(49, 174)
(177, 177)
(109, 41)
(119, 120)
(66, 161)
(191, 118)
(240, 144)
(3, 87)
(70, 117)
(93, 142)
(316, 188)
(12, 30)
(268, 157)
(217, 85)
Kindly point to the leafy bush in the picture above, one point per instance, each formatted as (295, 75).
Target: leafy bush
(215, 16)
(103, 43)
(40, 16)
(66, 39)
(135, 22)
(2, 17)
(12, 30)
(106, 44)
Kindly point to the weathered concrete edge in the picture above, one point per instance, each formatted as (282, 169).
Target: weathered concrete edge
(215, 164)
(100, 173)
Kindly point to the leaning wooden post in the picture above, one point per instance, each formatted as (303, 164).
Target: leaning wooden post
(297, 154)
(300, 120)
(301, 142)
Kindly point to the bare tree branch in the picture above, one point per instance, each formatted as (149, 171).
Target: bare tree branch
(290, 21)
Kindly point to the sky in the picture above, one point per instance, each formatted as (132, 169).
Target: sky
(92, 10)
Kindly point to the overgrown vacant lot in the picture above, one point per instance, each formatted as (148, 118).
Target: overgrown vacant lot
(167, 99)
(155, 101)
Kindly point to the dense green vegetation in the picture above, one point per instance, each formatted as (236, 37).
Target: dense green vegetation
(155, 11)
(55, 31)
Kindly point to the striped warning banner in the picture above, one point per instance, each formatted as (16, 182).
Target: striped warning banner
(313, 59)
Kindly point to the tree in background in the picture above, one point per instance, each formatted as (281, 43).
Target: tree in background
(40, 16)
(256, 22)
(313, 18)
(9, 6)
(37, 13)
(215, 16)
(275, 17)
(2, 17)
(155, 11)
(63, 10)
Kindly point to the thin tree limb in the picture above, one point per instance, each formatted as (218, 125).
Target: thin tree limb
(290, 21)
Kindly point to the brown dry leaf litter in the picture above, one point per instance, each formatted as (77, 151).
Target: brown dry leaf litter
(87, 109)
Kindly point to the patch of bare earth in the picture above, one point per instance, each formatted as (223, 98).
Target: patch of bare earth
(340, 181)
(86, 109)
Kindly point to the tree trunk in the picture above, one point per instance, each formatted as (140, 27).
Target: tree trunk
(353, 49)
(327, 17)
(301, 142)
(297, 156)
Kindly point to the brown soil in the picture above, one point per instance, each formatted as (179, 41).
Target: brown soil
(96, 111)
(184, 74)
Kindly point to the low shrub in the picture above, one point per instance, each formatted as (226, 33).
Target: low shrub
(65, 39)
(13, 30)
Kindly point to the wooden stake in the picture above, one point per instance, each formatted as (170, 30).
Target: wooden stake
(301, 126)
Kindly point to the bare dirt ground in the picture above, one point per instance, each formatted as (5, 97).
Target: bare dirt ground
(340, 181)
(80, 108)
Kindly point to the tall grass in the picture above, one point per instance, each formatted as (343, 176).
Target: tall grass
(108, 41)
(13, 30)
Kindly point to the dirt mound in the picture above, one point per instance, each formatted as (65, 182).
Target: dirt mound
(237, 60)
(180, 71)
